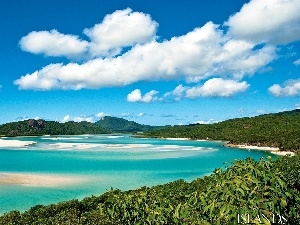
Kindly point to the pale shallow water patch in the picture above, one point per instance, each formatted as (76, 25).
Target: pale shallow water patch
(63, 138)
(39, 180)
(99, 147)
(73, 146)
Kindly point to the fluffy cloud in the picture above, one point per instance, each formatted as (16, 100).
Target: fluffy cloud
(297, 62)
(53, 43)
(217, 87)
(141, 114)
(127, 115)
(21, 118)
(210, 121)
(66, 119)
(120, 29)
(201, 53)
(274, 21)
(177, 93)
(101, 114)
(136, 96)
(290, 88)
(84, 118)
(91, 118)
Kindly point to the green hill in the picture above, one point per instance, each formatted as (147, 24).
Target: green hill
(114, 124)
(275, 130)
(41, 127)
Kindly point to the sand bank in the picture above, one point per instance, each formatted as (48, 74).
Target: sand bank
(83, 146)
(177, 139)
(273, 150)
(74, 146)
(14, 143)
(38, 180)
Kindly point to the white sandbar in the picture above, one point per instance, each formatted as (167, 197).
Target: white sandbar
(177, 139)
(273, 150)
(83, 146)
(14, 143)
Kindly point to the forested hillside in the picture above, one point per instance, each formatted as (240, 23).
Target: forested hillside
(275, 130)
(247, 192)
(42, 127)
(114, 124)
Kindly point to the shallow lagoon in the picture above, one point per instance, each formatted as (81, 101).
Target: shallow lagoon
(61, 168)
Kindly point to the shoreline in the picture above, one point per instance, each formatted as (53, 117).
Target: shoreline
(275, 151)
(4, 143)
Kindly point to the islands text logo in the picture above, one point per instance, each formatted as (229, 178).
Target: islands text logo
(261, 219)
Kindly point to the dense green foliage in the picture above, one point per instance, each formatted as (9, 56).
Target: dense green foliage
(41, 127)
(274, 130)
(114, 124)
(265, 190)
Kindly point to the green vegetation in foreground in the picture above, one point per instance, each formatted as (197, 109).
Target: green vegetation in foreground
(41, 127)
(114, 124)
(280, 130)
(265, 190)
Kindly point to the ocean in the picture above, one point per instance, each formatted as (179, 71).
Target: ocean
(61, 168)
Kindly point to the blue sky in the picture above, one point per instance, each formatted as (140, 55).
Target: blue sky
(154, 62)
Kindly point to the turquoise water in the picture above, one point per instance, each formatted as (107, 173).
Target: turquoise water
(99, 162)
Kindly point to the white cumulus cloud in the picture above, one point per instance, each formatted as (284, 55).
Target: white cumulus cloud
(177, 93)
(66, 118)
(90, 118)
(274, 21)
(217, 87)
(290, 88)
(297, 62)
(141, 114)
(101, 114)
(210, 121)
(120, 29)
(136, 96)
(84, 118)
(201, 53)
(53, 43)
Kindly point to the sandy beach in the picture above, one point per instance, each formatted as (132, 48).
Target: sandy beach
(177, 139)
(14, 143)
(38, 180)
(273, 150)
